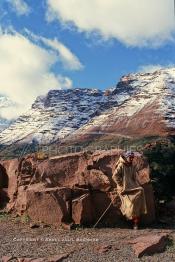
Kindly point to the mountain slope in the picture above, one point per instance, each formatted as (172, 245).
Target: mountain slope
(141, 104)
(149, 111)
(58, 114)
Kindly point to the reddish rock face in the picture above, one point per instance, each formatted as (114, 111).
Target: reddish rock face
(8, 179)
(20, 203)
(82, 210)
(77, 186)
(149, 244)
(62, 170)
(101, 201)
(94, 179)
(47, 206)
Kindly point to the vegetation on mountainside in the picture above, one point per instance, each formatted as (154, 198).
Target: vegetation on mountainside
(161, 157)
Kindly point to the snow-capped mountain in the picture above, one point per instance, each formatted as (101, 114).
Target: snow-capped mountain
(5, 102)
(148, 111)
(141, 104)
(57, 115)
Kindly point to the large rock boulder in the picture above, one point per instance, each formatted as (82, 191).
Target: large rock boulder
(8, 181)
(94, 179)
(48, 205)
(82, 210)
(62, 170)
(77, 186)
(149, 244)
(108, 213)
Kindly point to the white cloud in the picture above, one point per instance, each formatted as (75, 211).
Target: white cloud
(26, 72)
(20, 6)
(133, 22)
(69, 60)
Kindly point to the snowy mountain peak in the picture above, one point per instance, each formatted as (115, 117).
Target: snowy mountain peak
(141, 104)
(148, 110)
(57, 114)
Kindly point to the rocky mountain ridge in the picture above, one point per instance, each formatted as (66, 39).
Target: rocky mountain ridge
(149, 111)
(141, 104)
(57, 114)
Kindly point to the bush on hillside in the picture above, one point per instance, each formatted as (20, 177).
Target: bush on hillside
(162, 163)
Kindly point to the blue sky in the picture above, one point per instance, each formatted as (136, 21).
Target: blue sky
(107, 39)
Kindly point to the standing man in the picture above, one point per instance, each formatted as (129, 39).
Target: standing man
(132, 196)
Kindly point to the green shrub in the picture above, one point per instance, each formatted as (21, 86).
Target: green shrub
(162, 163)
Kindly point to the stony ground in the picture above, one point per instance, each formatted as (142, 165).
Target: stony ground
(19, 240)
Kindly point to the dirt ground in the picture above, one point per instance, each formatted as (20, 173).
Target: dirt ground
(17, 239)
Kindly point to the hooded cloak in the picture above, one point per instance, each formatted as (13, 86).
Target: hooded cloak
(133, 203)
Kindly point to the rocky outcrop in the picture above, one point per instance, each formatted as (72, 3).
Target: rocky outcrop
(9, 181)
(74, 188)
(48, 205)
(149, 244)
(82, 210)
